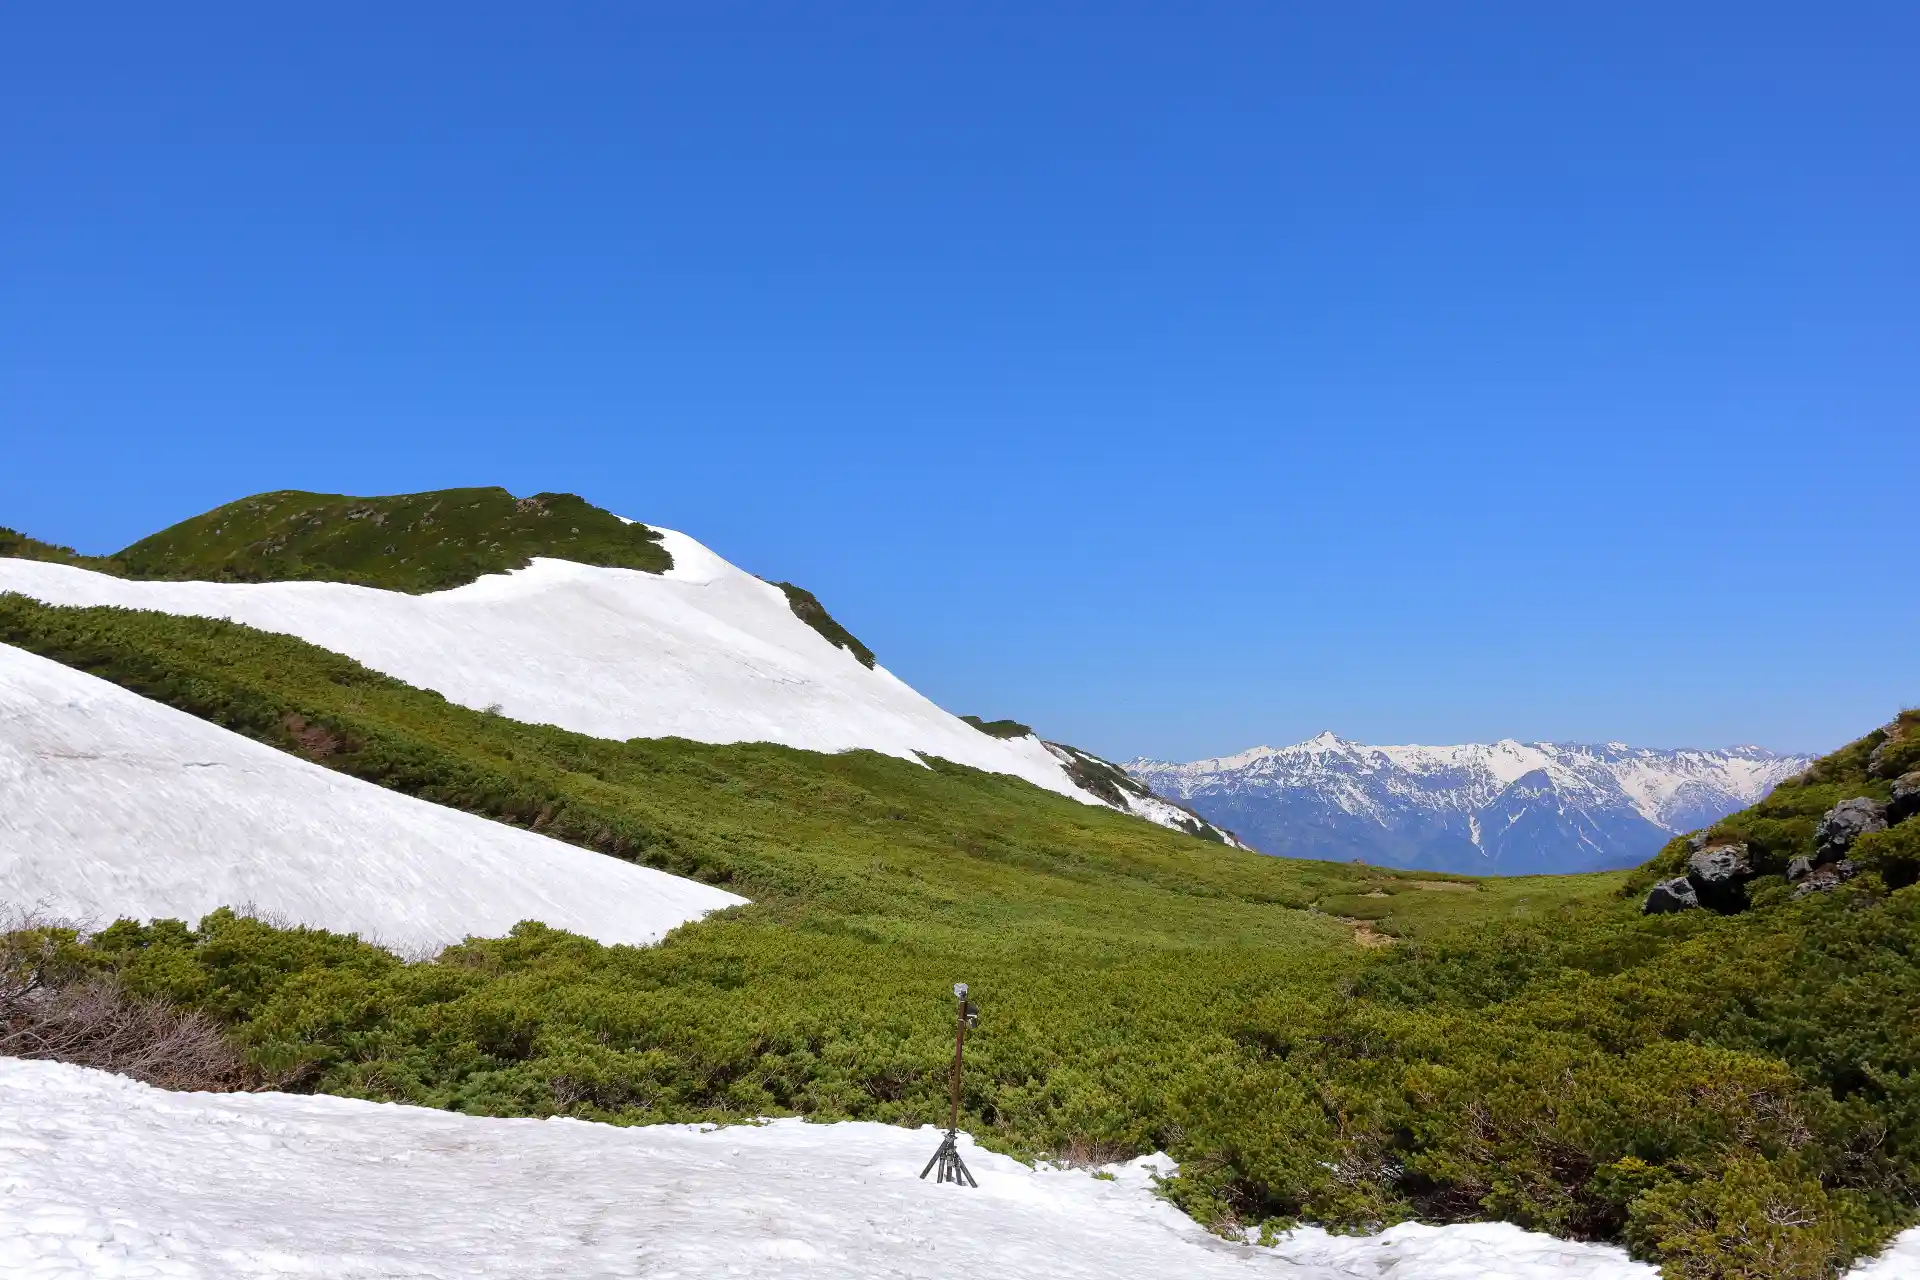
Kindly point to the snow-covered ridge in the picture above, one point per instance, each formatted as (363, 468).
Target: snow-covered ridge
(1589, 805)
(704, 651)
(112, 805)
(101, 1176)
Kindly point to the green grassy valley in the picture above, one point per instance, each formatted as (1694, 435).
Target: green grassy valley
(1726, 1093)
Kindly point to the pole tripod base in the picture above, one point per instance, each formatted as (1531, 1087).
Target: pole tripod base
(947, 1159)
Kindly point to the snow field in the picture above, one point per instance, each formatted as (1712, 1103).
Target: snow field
(111, 805)
(705, 651)
(103, 1177)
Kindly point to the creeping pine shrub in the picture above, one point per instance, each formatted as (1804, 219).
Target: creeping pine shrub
(1756, 1219)
(1893, 854)
(58, 1002)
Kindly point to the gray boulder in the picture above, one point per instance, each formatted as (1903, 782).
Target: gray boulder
(1722, 864)
(1696, 842)
(1847, 822)
(1676, 894)
(1799, 869)
(1719, 874)
(1906, 797)
(1823, 879)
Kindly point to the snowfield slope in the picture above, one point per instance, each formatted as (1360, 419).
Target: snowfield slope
(104, 1176)
(112, 805)
(703, 651)
(1506, 808)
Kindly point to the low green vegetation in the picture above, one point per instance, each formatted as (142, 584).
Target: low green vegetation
(1731, 1095)
(1000, 728)
(807, 607)
(1108, 951)
(405, 542)
(19, 546)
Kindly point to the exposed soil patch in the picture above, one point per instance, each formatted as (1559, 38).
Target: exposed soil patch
(1366, 935)
(316, 742)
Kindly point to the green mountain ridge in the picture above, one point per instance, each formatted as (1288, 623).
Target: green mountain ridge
(412, 542)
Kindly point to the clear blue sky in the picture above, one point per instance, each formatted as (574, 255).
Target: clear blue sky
(1172, 377)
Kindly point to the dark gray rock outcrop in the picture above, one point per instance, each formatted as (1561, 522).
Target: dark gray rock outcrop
(1906, 797)
(1716, 878)
(1822, 879)
(1719, 875)
(1676, 894)
(1845, 823)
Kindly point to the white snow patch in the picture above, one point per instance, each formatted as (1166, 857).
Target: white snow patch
(111, 804)
(1900, 1260)
(704, 651)
(104, 1177)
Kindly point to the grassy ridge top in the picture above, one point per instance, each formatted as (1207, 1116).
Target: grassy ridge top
(19, 546)
(412, 542)
(999, 728)
(404, 542)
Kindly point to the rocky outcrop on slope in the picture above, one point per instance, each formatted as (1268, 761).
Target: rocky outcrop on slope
(1676, 894)
(1845, 823)
(1719, 875)
(1719, 870)
(1905, 801)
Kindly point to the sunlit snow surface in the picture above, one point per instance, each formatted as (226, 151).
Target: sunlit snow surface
(704, 651)
(103, 1177)
(113, 805)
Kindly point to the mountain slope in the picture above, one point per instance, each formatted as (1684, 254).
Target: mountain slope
(566, 615)
(701, 651)
(1506, 807)
(113, 805)
(1122, 791)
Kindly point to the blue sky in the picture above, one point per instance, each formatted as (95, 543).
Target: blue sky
(1174, 378)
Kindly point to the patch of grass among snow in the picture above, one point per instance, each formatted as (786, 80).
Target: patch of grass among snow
(807, 607)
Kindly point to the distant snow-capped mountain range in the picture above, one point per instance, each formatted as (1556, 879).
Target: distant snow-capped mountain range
(1508, 808)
